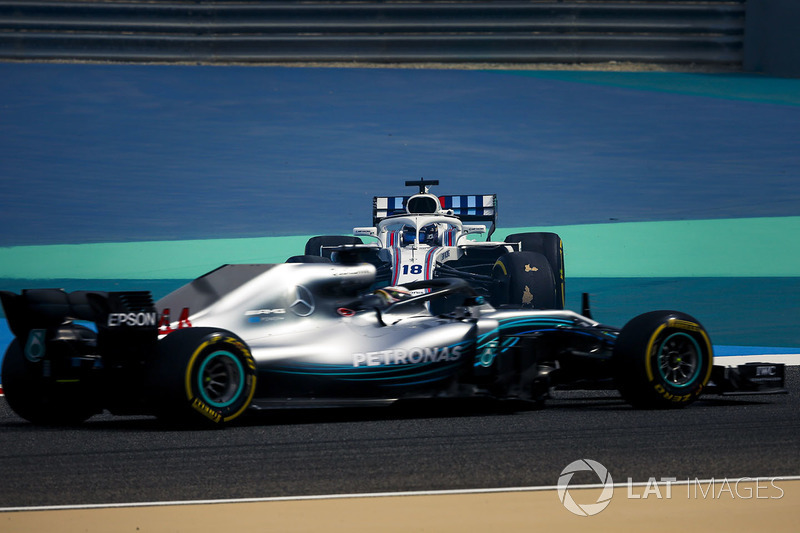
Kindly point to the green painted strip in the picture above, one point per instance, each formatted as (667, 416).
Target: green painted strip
(143, 260)
(748, 247)
(756, 247)
(750, 87)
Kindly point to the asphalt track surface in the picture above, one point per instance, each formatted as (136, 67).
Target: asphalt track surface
(419, 447)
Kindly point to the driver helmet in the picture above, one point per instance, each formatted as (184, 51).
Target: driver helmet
(390, 295)
(429, 234)
(409, 235)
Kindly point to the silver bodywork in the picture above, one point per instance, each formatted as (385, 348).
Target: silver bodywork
(315, 335)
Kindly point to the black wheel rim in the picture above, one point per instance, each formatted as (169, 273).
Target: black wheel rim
(679, 360)
(221, 379)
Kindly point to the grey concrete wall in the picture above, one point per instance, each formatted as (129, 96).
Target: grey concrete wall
(772, 37)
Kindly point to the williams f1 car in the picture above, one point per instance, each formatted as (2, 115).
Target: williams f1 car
(424, 236)
(309, 335)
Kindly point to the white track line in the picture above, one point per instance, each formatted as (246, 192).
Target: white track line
(381, 494)
(789, 359)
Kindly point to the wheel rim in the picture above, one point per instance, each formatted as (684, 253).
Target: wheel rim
(220, 379)
(679, 359)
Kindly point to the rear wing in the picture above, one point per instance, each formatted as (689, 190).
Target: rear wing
(467, 208)
(126, 322)
(46, 310)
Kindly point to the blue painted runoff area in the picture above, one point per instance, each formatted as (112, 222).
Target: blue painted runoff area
(122, 153)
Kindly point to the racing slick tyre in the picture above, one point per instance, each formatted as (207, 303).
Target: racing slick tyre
(40, 399)
(525, 279)
(662, 359)
(315, 245)
(550, 246)
(202, 376)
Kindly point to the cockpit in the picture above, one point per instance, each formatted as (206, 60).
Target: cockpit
(420, 231)
(427, 234)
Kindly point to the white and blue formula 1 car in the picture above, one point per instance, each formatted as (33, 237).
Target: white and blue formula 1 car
(425, 236)
(310, 335)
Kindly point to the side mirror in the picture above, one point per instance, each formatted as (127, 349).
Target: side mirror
(474, 229)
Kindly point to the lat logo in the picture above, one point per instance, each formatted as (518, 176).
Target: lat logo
(165, 324)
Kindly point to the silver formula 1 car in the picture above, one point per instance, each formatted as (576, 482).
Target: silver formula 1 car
(298, 335)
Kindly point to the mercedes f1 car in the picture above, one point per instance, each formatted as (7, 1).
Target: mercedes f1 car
(305, 335)
(424, 236)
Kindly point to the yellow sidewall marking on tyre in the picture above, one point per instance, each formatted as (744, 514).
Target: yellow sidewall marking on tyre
(205, 410)
(250, 364)
(648, 367)
(710, 357)
(190, 366)
(502, 266)
(246, 404)
(198, 404)
(684, 325)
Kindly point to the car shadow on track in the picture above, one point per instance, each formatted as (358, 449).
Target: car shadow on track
(405, 410)
(568, 401)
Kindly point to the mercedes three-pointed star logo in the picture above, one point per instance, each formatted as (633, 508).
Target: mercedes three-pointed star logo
(303, 304)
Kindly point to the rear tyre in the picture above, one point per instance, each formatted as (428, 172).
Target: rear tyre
(316, 245)
(40, 399)
(202, 376)
(550, 246)
(662, 359)
(525, 279)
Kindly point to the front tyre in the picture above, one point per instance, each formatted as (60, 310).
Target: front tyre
(525, 279)
(202, 375)
(662, 359)
(550, 246)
